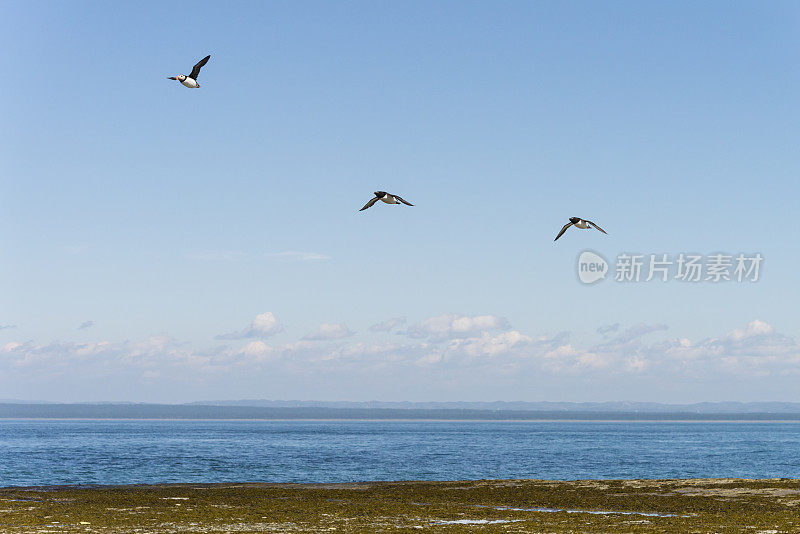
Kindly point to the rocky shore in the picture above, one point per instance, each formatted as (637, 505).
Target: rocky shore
(681, 506)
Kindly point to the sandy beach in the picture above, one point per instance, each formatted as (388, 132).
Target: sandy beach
(702, 505)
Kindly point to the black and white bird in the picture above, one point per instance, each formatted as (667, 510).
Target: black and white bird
(385, 197)
(583, 224)
(190, 81)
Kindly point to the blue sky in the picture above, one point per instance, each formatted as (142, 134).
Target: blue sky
(172, 219)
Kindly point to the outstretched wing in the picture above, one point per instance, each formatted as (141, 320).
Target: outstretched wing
(593, 224)
(403, 201)
(563, 230)
(369, 204)
(196, 69)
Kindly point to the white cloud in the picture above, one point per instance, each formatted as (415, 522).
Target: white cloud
(487, 345)
(256, 348)
(571, 360)
(514, 357)
(756, 348)
(105, 358)
(254, 352)
(495, 351)
(451, 326)
(264, 325)
(635, 364)
(754, 329)
(327, 332)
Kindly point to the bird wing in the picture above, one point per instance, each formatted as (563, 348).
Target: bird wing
(403, 201)
(593, 224)
(196, 69)
(563, 230)
(369, 204)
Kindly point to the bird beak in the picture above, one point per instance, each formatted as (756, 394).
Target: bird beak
(172, 78)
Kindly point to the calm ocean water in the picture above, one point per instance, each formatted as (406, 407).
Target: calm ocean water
(45, 452)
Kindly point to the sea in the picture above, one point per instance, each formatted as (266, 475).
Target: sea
(91, 452)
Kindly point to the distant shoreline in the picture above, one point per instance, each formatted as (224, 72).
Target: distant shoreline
(354, 420)
(210, 412)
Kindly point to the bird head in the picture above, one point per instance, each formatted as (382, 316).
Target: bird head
(181, 77)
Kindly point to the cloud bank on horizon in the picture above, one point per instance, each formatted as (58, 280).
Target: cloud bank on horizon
(439, 354)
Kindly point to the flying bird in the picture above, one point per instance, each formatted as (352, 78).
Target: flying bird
(385, 197)
(583, 224)
(190, 81)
